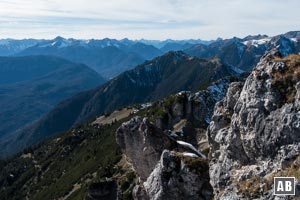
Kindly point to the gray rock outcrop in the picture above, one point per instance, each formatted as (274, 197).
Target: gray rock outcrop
(167, 169)
(195, 107)
(143, 144)
(255, 130)
(166, 154)
(178, 176)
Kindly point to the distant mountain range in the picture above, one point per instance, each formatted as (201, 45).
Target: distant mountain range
(245, 53)
(10, 47)
(170, 73)
(165, 74)
(161, 44)
(109, 57)
(30, 86)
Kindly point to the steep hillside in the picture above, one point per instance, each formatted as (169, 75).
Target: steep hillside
(37, 83)
(64, 167)
(86, 162)
(245, 53)
(152, 80)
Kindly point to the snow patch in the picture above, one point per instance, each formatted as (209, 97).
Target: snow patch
(294, 39)
(192, 155)
(64, 43)
(188, 145)
(146, 105)
(257, 43)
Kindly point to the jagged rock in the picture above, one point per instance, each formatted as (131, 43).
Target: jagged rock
(143, 143)
(177, 176)
(196, 107)
(188, 114)
(163, 174)
(254, 132)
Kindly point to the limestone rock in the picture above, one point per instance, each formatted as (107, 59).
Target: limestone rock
(254, 132)
(177, 176)
(143, 144)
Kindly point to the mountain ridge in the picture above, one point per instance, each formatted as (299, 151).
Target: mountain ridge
(173, 72)
(245, 53)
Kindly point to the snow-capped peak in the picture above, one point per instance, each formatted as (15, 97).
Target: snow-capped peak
(257, 43)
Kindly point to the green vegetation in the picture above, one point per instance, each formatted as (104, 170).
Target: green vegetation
(156, 111)
(162, 109)
(70, 162)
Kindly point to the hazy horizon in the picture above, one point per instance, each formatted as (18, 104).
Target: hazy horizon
(152, 20)
(138, 39)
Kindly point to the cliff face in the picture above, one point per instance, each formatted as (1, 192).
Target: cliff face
(254, 133)
(143, 143)
(167, 169)
(166, 148)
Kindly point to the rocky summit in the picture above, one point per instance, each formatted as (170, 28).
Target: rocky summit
(253, 136)
(254, 133)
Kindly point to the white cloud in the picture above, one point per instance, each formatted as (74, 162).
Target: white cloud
(155, 19)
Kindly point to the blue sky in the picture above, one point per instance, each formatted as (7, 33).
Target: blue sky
(149, 19)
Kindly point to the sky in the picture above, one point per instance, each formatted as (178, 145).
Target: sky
(148, 19)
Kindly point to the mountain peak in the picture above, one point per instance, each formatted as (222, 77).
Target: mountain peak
(293, 34)
(176, 54)
(254, 37)
(59, 38)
